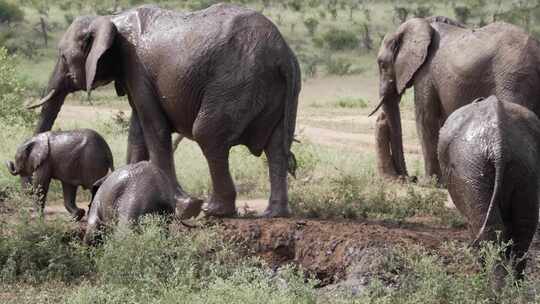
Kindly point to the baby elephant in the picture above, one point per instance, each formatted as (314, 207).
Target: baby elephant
(489, 151)
(131, 192)
(76, 158)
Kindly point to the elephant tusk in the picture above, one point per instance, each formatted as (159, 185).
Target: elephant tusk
(11, 168)
(378, 107)
(43, 101)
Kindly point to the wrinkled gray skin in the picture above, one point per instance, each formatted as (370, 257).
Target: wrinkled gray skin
(490, 154)
(76, 158)
(449, 66)
(129, 193)
(222, 76)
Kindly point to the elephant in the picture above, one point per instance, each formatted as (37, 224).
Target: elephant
(489, 153)
(222, 76)
(76, 158)
(449, 66)
(127, 194)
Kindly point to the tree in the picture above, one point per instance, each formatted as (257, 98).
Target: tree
(10, 13)
(42, 7)
(11, 94)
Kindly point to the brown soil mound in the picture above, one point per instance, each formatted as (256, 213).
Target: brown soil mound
(327, 248)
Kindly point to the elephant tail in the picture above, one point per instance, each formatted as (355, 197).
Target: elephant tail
(291, 72)
(493, 216)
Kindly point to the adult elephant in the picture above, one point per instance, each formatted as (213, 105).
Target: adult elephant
(449, 66)
(222, 76)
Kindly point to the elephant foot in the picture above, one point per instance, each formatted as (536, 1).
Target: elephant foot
(215, 208)
(277, 209)
(189, 208)
(78, 215)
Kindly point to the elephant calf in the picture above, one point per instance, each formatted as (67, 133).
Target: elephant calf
(76, 158)
(489, 152)
(131, 192)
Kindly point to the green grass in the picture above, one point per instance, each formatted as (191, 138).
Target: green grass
(43, 262)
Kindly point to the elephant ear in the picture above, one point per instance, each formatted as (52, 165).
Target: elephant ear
(102, 34)
(38, 150)
(413, 41)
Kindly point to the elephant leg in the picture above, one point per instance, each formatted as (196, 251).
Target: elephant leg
(70, 195)
(278, 205)
(524, 223)
(385, 164)
(136, 150)
(222, 200)
(151, 122)
(41, 182)
(428, 124)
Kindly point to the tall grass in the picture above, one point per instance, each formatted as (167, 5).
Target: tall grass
(42, 262)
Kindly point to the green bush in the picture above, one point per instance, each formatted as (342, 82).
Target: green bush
(351, 102)
(10, 13)
(35, 251)
(338, 39)
(156, 265)
(338, 66)
(12, 111)
(201, 4)
(311, 24)
(355, 196)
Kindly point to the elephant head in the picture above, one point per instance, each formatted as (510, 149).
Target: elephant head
(30, 156)
(86, 60)
(400, 56)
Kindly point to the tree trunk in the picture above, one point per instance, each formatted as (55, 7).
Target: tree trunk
(43, 25)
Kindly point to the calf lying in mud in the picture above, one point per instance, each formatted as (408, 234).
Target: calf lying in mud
(131, 192)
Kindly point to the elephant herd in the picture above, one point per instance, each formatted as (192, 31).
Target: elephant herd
(225, 76)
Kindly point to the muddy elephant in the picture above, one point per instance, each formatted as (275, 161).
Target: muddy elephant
(449, 66)
(130, 192)
(489, 153)
(222, 76)
(76, 158)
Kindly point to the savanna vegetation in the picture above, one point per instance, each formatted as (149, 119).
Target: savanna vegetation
(42, 261)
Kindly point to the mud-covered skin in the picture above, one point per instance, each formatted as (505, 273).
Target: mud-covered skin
(222, 76)
(129, 193)
(76, 158)
(489, 152)
(449, 66)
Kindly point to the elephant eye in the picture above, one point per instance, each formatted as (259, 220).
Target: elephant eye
(63, 57)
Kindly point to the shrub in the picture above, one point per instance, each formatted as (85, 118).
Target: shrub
(351, 102)
(10, 13)
(296, 5)
(12, 111)
(159, 266)
(462, 13)
(180, 259)
(338, 39)
(364, 196)
(35, 251)
(422, 12)
(311, 24)
(309, 64)
(201, 4)
(338, 66)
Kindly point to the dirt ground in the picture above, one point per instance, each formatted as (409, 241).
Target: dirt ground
(327, 249)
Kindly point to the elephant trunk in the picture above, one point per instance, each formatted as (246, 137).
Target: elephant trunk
(53, 100)
(390, 107)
